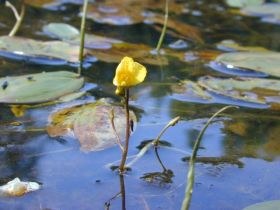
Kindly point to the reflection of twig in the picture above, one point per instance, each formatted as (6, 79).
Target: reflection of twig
(122, 193)
(217, 160)
(19, 17)
(190, 177)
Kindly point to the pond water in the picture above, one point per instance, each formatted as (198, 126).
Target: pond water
(240, 148)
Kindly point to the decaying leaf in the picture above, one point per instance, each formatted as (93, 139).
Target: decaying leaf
(18, 188)
(38, 88)
(90, 124)
(182, 30)
(49, 52)
(140, 52)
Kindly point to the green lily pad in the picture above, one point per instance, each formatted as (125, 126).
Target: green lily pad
(190, 91)
(270, 12)
(252, 90)
(268, 205)
(243, 3)
(38, 88)
(50, 52)
(90, 124)
(265, 62)
(71, 35)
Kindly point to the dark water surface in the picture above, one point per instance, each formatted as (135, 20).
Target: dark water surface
(245, 141)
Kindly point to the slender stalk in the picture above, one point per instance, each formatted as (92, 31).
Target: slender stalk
(164, 27)
(112, 117)
(19, 17)
(127, 133)
(82, 37)
(191, 173)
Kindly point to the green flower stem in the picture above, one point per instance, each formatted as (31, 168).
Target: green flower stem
(19, 17)
(191, 173)
(127, 133)
(82, 36)
(164, 27)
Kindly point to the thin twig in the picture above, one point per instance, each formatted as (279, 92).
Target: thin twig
(164, 27)
(112, 117)
(82, 37)
(19, 17)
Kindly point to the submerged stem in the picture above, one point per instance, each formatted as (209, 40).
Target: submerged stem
(127, 133)
(82, 36)
(191, 173)
(164, 27)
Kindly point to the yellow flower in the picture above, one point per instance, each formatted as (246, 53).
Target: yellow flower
(129, 73)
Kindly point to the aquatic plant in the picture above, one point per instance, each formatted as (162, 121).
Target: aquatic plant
(19, 17)
(191, 173)
(82, 36)
(128, 74)
(163, 32)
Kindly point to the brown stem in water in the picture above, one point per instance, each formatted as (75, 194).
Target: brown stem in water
(127, 133)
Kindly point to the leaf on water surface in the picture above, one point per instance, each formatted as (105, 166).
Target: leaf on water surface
(243, 3)
(61, 31)
(267, 205)
(270, 12)
(255, 90)
(71, 35)
(264, 62)
(140, 52)
(230, 45)
(188, 91)
(18, 188)
(272, 145)
(56, 52)
(90, 124)
(239, 127)
(38, 88)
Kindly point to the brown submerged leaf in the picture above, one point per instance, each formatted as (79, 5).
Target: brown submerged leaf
(140, 52)
(91, 124)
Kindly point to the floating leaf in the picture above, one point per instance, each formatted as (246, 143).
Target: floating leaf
(91, 124)
(38, 88)
(264, 62)
(18, 188)
(243, 3)
(51, 52)
(270, 12)
(255, 90)
(267, 205)
(71, 35)
(189, 91)
(61, 30)
(230, 45)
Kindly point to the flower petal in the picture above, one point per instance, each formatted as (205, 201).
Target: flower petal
(129, 73)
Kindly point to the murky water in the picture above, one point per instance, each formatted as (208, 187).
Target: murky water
(245, 142)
